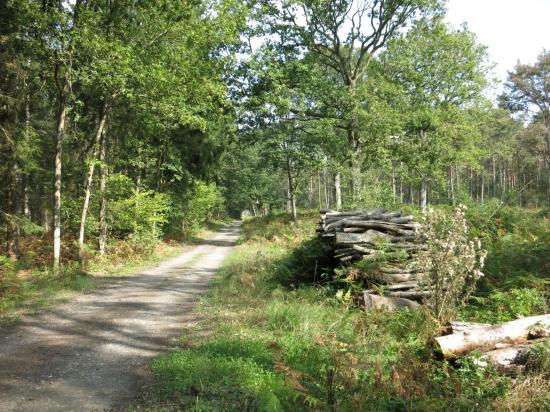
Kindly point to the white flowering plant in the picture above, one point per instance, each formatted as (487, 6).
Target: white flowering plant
(451, 263)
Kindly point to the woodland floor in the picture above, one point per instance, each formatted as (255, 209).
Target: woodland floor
(92, 353)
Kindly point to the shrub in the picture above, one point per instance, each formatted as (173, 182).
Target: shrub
(501, 306)
(452, 261)
(143, 211)
(201, 202)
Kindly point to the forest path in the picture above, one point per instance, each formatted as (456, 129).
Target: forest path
(92, 354)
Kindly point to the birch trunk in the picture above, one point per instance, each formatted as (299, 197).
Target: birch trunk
(291, 192)
(423, 193)
(88, 182)
(102, 194)
(338, 191)
(61, 117)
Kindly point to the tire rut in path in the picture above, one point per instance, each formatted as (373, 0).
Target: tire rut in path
(92, 354)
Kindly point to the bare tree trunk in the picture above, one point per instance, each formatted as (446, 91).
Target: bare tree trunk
(310, 192)
(288, 201)
(504, 180)
(11, 224)
(494, 177)
(327, 204)
(471, 182)
(62, 113)
(401, 194)
(393, 183)
(291, 193)
(452, 180)
(423, 193)
(457, 177)
(89, 178)
(338, 191)
(25, 189)
(102, 194)
(482, 184)
(319, 187)
(26, 208)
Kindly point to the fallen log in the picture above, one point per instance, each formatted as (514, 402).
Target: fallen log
(402, 286)
(457, 326)
(397, 286)
(334, 225)
(363, 250)
(389, 215)
(370, 212)
(507, 360)
(345, 254)
(486, 338)
(349, 259)
(399, 269)
(412, 294)
(373, 302)
(352, 238)
(342, 250)
(354, 230)
(406, 238)
(404, 219)
(404, 230)
(391, 278)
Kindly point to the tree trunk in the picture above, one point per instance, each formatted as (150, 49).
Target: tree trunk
(288, 201)
(452, 184)
(494, 177)
(319, 188)
(423, 193)
(291, 191)
(62, 113)
(325, 186)
(89, 178)
(401, 194)
(26, 208)
(356, 183)
(393, 183)
(102, 194)
(488, 337)
(338, 191)
(482, 184)
(310, 192)
(11, 226)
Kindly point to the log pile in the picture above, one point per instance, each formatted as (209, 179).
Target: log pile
(389, 241)
(506, 347)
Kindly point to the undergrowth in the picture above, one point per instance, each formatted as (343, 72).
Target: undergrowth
(275, 334)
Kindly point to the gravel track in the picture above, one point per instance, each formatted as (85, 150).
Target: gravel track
(92, 354)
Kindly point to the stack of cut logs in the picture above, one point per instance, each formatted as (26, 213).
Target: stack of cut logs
(506, 346)
(387, 239)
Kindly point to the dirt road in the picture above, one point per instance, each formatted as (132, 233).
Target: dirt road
(92, 354)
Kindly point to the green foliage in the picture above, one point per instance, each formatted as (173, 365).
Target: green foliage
(499, 306)
(134, 211)
(472, 386)
(200, 203)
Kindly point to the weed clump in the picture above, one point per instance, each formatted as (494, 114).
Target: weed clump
(452, 262)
